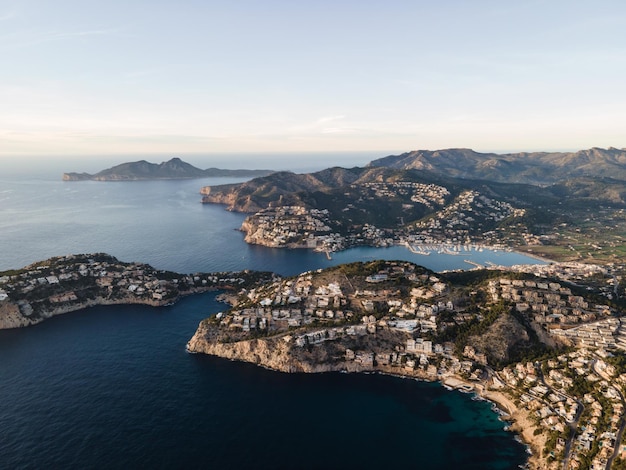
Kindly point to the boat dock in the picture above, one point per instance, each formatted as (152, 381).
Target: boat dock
(476, 265)
(418, 251)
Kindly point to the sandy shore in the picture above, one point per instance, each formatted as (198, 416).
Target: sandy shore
(532, 255)
(521, 421)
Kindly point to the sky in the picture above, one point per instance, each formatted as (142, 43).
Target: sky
(91, 78)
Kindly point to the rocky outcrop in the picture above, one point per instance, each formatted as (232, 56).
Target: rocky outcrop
(273, 353)
(11, 317)
(282, 353)
(228, 195)
(501, 339)
(77, 176)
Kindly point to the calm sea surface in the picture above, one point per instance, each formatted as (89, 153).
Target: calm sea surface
(112, 387)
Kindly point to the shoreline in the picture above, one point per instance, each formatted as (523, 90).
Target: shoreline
(535, 256)
(438, 246)
(515, 420)
(14, 319)
(519, 420)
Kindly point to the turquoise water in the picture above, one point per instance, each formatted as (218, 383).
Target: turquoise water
(112, 387)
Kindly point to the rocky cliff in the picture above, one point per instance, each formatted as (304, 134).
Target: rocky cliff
(273, 353)
(12, 317)
(281, 353)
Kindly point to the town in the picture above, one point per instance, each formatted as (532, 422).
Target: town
(68, 283)
(562, 385)
(427, 217)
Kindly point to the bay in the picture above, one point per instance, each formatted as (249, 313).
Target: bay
(163, 223)
(112, 387)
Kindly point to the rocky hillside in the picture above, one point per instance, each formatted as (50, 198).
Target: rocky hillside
(363, 206)
(534, 168)
(286, 188)
(366, 316)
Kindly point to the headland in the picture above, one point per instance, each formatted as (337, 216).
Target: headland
(559, 377)
(69, 283)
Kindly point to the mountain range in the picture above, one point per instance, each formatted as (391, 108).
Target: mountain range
(566, 206)
(172, 169)
(534, 168)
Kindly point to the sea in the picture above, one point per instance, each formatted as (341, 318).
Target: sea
(112, 386)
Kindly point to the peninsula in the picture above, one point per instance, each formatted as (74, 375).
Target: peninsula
(172, 169)
(546, 343)
(569, 213)
(69, 283)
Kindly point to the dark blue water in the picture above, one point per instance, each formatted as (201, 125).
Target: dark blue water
(112, 387)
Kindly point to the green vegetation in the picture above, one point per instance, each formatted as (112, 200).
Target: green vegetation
(618, 360)
(619, 464)
(575, 219)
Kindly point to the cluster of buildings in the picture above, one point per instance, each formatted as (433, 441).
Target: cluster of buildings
(304, 300)
(469, 218)
(299, 227)
(548, 303)
(64, 282)
(469, 213)
(430, 195)
(347, 308)
(571, 271)
(289, 226)
(605, 334)
(576, 399)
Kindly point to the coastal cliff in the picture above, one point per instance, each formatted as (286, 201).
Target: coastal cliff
(488, 332)
(284, 354)
(272, 353)
(229, 196)
(12, 317)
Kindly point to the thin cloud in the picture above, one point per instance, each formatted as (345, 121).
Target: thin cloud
(7, 16)
(330, 119)
(51, 36)
(339, 130)
(97, 32)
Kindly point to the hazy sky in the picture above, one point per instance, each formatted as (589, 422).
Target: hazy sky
(135, 77)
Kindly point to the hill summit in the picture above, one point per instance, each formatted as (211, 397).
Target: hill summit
(174, 168)
(524, 167)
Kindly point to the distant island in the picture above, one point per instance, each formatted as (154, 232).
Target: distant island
(172, 169)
